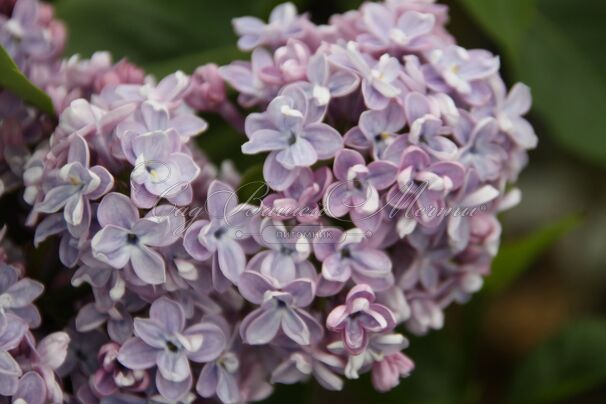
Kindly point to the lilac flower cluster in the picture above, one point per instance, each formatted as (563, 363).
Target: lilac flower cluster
(35, 40)
(395, 149)
(27, 368)
(389, 152)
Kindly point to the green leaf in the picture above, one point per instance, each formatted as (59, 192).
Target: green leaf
(571, 363)
(506, 20)
(148, 31)
(556, 48)
(516, 257)
(13, 80)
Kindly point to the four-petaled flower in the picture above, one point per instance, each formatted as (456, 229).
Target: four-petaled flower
(281, 308)
(357, 191)
(223, 236)
(349, 254)
(292, 139)
(76, 185)
(124, 238)
(163, 341)
(358, 318)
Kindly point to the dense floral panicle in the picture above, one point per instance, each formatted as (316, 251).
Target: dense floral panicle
(410, 142)
(389, 151)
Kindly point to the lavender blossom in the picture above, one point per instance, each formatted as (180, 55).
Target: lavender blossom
(358, 318)
(77, 185)
(349, 254)
(11, 332)
(293, 141)
(380, 82)
(387, 31)
(125, 238)
(357, 191)
(17, 296)
(222, 236)
(283, 23)
(163, 341)
(281, 308)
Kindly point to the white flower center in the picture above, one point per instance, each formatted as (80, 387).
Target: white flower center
(288, 111)
(321, 94)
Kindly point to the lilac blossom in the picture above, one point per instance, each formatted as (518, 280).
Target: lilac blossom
(161, 170)
(280, 308)
(383, 355)
(221, 236)
(483, 152)
(358, 318)
(387, 30)
(510, 110)
(461, 69)
(377, 130)
(475, 197)
(168, 93)
(17, 296)
(327, 82)
(387, 372)
(283, 23)
(78, 184)
(25, 38)
(349, 254)
(208, 93)
(293, 141)
(220, 376)
(247, 78)
(421, 188)
(11, 332)
(300, 199)
(116, 315)
(299, 366)
(426, 130)
(125, 238)
(164, 341)
(43, 360)
(112, 375)
(357, 190)
(288, 250)
(380, 79)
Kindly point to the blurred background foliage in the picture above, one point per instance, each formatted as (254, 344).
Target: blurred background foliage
(537, 332)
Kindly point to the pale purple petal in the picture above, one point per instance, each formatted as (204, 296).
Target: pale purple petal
(169, 314)
(173, 390)
(276, 175)
(151, 332)
(148, 265)
(345, 160)
(173, 366)
(32, 389)
(325, 140)
(222, 199)
(136, 354)
(263, 327)
(253, 285)
(295, 328)
(118, 210)
(231, 259)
